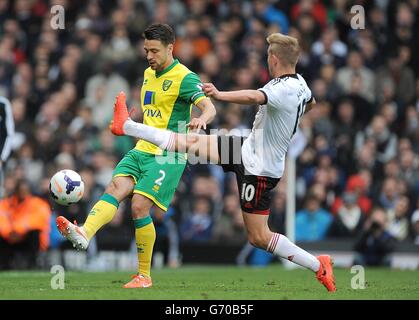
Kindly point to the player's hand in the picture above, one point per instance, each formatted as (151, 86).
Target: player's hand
(210, 90)
(197, 124)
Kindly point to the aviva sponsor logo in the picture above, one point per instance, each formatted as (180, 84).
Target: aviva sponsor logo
(152, 113)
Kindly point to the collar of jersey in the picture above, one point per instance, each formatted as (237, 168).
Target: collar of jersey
(292, 75)
(160, 73)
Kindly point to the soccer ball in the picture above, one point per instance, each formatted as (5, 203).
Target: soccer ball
(66, 187)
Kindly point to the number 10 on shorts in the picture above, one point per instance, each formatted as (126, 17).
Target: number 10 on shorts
(248, 192)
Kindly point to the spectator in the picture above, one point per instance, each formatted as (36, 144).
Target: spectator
(312, 222)
(369, 50)
(229, 227)
(398, 225)
(409, 167)
(101, 90)
(389, 194)
(24, 227)
(375, 244)
(7, 128)
(278, 211)
(198, 226)
(385, 140)
(349, 220)
(330, 43)
(270, 14)
(23, 128)
(315, 8)
(355, 68)
(327, 50)
(344, 134)
(415, 226)
(167, 237)
(332, 89)
(400, 76)
(193, 38)
(358, 186)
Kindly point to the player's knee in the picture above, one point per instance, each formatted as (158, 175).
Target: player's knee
(119, 189)
(139, 209)
(112, 188)
(257, 240)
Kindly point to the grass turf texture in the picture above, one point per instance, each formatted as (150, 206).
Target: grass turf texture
(212, 282)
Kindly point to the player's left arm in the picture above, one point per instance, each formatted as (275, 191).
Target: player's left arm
(191, 92)
(208, 114)
(310, 105)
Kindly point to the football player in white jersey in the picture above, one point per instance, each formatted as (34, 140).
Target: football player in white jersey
(257, 160)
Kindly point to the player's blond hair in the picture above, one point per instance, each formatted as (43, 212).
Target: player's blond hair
(285, 48)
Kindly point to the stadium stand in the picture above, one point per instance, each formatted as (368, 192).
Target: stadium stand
(362, 137)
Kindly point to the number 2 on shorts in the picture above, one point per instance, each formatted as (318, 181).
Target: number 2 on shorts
(160, 180)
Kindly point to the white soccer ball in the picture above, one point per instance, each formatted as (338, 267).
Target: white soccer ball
(66, 187)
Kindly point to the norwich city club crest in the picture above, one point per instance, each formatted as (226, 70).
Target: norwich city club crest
(166, 84)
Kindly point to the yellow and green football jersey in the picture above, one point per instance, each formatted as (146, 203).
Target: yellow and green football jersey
(166, 100)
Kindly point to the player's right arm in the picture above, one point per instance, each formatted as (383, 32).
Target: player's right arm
(247, 97)
(310, 105)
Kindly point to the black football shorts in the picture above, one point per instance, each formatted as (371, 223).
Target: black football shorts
(254, 191)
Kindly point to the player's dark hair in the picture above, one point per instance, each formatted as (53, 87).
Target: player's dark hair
(160, 31)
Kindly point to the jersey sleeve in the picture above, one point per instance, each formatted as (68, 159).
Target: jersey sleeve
(191, 89)
(309, 95)
(272, 92)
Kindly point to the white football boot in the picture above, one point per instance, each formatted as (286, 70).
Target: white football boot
(73, 233)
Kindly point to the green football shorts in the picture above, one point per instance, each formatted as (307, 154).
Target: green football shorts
(155, 177)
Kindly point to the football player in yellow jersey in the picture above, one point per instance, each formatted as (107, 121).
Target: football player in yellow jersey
(169, 90)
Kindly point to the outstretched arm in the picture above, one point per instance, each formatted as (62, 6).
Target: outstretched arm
(247, 97)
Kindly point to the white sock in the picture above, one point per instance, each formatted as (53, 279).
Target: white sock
(164, 139)
(281, 246)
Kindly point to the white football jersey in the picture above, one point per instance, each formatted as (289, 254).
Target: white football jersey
(263, 152)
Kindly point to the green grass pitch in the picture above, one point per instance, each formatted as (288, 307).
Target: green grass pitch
(212, 282)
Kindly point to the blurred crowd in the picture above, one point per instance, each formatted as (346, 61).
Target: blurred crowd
(357, 177)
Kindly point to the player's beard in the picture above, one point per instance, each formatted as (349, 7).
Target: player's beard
(154, 65)
(159, 66)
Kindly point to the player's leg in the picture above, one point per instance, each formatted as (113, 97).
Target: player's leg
(255, 199)
(145, 236)
(160, 177)
(124, 177)
(100, 214)
(105, 209)
(192, 143)
(197, 144)
(262, 237)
